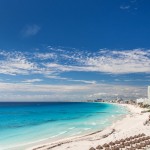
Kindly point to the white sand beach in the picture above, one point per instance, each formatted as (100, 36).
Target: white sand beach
(132, 124)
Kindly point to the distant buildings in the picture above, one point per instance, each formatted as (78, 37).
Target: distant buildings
(145, 101)
(149, 92)
(142, 100)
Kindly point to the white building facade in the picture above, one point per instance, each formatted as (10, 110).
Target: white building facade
(145, 100)
(149, 95)
(142, 100)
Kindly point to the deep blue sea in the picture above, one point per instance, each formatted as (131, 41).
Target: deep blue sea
(22, 124)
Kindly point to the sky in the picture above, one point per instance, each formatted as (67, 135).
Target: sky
(73, 50)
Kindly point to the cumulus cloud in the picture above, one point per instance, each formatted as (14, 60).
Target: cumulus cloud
(30, 30)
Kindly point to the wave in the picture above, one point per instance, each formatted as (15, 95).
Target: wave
(87, 128)
(93, 123)
(71, 128)
(61, 133)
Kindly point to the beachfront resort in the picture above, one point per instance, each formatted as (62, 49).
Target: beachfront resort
(142, 102)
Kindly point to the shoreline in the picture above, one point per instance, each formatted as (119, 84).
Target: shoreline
(110, 133)
(50, 140)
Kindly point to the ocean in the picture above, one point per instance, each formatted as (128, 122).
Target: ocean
(23, 124)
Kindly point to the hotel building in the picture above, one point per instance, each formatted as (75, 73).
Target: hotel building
(145, 100)
(149, 92)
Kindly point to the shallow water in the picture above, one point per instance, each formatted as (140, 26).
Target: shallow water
(23, 123)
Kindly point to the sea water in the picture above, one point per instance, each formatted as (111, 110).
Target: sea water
(25, 124)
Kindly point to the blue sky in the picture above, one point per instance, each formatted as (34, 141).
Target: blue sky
(54, 50)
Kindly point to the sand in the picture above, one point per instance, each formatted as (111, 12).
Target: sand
(130, 125)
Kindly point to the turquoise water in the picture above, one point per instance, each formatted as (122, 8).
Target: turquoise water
(28, 123)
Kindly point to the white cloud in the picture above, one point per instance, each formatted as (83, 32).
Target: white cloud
(16, 65)
(115, 62)
(120, 62)
(83, 81)
(72, 80)
(32, 80)
(44, 56)
(22, 87)
(106, 61)
(44, 92)
(55, 77)
(30, 30)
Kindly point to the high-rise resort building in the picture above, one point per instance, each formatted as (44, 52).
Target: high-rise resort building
(149, 93)
(148, 100)
(145, 100)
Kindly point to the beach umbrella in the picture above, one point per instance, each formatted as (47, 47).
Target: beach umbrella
(117, 142)
(105, 145)
(111, 143)
(99, 147)
(138, 146)
(133, 142)
(147, 142)
(142, 145)
(116, 148)
(132, 148)
(107, 148)
(139, 135)
(140, 139)
(121, 146)
(122, 140)
(147, 138)
(143, 139)
(128, 139)
(131, 137)
(136, 141)
(128, 144)
(135, 136)
(143, 134)
(92, 148)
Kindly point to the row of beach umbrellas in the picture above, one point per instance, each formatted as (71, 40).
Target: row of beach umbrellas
(139, 141)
